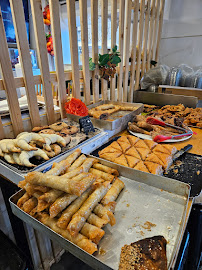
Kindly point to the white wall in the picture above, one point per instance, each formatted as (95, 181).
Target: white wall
(182, 33)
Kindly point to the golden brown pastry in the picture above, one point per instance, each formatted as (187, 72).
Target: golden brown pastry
(154, 167)
(132, 161)
(141, 167)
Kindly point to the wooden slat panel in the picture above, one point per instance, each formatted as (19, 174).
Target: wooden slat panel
(151, 29)
(121, 35)
(104, 15)
(73, 47)
(9, 84)
(113, 43)
(19, 81)
(126, 47)
(94, 26)
(25, 59)
(133, 51)
(57, 46)
(43, 58)
(147, 14)
(160, 29)
(156, 21)
(140, 34)
(85, 51)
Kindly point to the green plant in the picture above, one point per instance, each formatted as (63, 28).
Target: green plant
(107, 63)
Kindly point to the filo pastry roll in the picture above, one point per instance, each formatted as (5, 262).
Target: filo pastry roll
(106, 212)
(103, 175)
(47, 199)
(72, 186)
(29, 205)
(84, 212)
(60, 204)
(62, 166)
(23, 199)
(67, 214)
(80, 240)
(106, 169)
(113, 192)
(97, 221)
(77, 163)
(92, 232)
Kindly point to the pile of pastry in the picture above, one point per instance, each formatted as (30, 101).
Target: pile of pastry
(75, 198)
(176, 114)
(59, 128)
(143, 155)
(29, 144)
(140, 125)
(105, 110)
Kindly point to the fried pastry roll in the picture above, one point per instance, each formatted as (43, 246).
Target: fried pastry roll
(103, 175)
(23, 199)
(47, 198)
(77, 163)
(73, 173)
(95, 220)
(22, 183)
(84, 212)
(62, 166)
(72, 186)
(29, 205)
(80, 240)
(88, 164)
(106, 169)
(113, 192)
(71, 210)
(60, 204)
(92, 232)
(106, 212)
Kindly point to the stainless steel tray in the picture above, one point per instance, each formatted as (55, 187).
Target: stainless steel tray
(117, 123)
(145, 198)
(77, 140)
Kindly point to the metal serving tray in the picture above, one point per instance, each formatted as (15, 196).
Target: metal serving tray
(77, 140)
(117, 123)
(145, 198)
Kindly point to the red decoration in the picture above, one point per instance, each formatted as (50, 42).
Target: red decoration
(49, 39)
(77, 107)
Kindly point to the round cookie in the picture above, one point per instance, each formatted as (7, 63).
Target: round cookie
(47, 131)
(58, 126)
(70, 130)
(37, 129)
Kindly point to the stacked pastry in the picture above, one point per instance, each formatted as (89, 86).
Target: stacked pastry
(143, 155)
(105, 110)
(76, 198)
(29, 144)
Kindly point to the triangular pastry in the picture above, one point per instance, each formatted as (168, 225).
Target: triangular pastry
(109, 149)
(116, 146)
(154, 168)
(141, 144)
(167, 159)
(124, 146)
(133, 152)
(110, 156)
(172, 149)
(161, 148)
(141, 167)
(121, 160)
(123, 139)
(151, 144)
(143, 152)
(132, 139)
(153, 158)
(132, 161)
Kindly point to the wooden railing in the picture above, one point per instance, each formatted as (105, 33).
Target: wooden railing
(140, 26)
